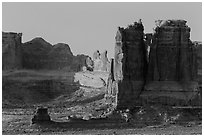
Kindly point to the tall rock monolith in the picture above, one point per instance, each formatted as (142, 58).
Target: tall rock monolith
(172, 63)
(98, 64)
(11, 50)
(130, 65)
(106, 63)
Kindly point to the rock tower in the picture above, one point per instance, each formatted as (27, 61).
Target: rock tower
(129, 66)
(172, 68)
(11, 50)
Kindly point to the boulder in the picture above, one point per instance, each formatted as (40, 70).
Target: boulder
(41, 115)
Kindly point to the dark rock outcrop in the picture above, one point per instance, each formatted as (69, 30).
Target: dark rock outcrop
(11, 50)
(129, 66)
(198, 46)
(60, 57)
(41, 116)
(169, 77)
(39, 54)
(172, 65)
(35, 54)
(79, 62)
(172, 56)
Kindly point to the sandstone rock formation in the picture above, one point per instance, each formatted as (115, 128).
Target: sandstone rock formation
(38, 54)
(101, 62)
(172, 56)
(98, 64)
(35, 54)
(90, 79)
(112, 87)
(41, 116)
(89, 64)
(130, 65)
(198, 46)
(79, 62)
(106, 63)
(172, 65)
(11, 50)
(169, 77)
(60, 57)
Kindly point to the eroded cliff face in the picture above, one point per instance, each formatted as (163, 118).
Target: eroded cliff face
(100, 61)
(172, 68)
(60, 57)
(129, 66)
(11, 51)
(79, 62)
(38, 54)
(35, 54)
(160, 68)
(172, 55)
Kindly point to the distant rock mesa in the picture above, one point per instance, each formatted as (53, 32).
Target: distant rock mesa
(38, 54)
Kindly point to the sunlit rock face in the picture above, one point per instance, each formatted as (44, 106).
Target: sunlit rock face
(100, 61)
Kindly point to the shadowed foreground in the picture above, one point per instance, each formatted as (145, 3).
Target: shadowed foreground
(20, 124)
(86, 103)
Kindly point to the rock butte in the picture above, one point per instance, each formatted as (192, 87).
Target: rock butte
(160, 68)
(38, 54)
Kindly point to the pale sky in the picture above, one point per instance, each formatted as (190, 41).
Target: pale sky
(87, 27)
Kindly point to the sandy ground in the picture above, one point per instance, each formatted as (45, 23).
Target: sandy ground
(16, 119)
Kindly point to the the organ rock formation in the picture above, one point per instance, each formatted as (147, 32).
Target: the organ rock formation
(158, 68)
(129, 66)
(172, 68)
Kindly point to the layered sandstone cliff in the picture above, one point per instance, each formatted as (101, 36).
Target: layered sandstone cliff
(172, 68)
(38, 54)
(158, 68)
(129, 66)
(11, 50)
